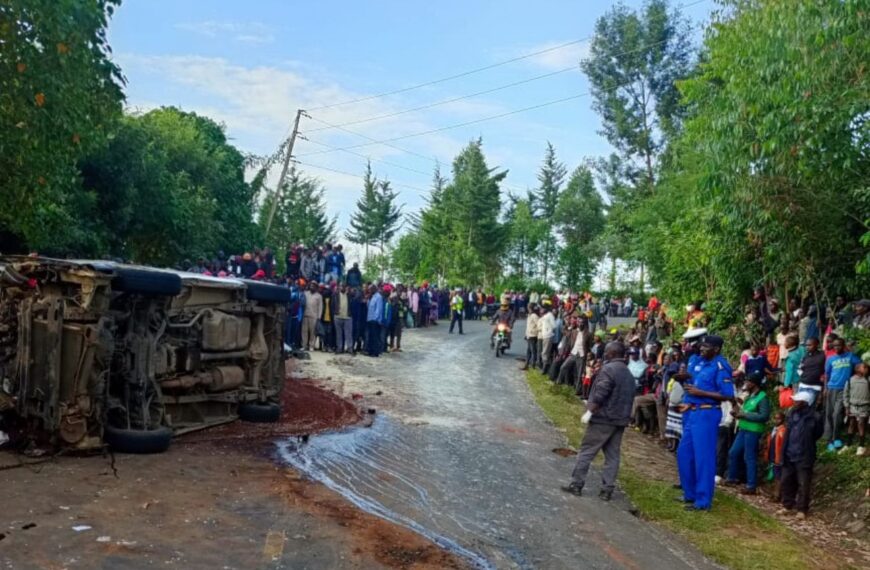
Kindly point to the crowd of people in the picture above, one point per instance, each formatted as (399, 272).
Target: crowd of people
(739, 423)
(756, 418)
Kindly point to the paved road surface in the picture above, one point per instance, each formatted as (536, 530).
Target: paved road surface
(462, 454)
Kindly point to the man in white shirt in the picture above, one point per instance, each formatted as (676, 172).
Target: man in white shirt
(574, 367)
(546, 331)
(532, 337)
(312, 314)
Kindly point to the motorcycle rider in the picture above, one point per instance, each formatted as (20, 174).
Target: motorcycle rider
(503, 316)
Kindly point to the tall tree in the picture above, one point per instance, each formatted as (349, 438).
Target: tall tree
(551, 177)
(635, 59)
(166, 187)
(59, 97)
(580, 218)
(364, 221)
(434, 226)
(526, 233)
(473, 204)
(301, 215)
(389, 214)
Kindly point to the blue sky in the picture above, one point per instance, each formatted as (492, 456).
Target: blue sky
(251, 64)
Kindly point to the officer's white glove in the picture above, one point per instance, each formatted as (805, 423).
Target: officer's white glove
(586, 417)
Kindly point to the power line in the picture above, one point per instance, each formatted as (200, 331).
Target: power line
(435, 160)
(366, 157)
(449, 127)
(471, 71)
(451, 77)
(446, 101)
(335, 170)
(475, 121)
(373, 140)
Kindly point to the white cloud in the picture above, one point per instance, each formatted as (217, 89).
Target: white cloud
(245, 32)
(257, 104)
(556, 57)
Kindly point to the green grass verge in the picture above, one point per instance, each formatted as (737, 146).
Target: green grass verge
(733, 533)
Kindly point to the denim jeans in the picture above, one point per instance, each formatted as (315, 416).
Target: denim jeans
(744, 451)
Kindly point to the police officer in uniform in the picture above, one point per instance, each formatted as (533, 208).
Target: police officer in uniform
(708, 383)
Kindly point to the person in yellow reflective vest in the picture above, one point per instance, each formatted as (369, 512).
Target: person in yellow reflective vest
(456, 305)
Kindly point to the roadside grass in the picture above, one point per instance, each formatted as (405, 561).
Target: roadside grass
(734, 533)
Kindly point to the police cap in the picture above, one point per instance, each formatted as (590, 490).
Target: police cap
(713, 340)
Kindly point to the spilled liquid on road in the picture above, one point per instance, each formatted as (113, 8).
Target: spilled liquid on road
(369, 468)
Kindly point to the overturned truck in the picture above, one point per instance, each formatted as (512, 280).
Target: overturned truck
(95, 353)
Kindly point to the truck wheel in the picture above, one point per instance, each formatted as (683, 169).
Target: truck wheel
(145, 281)
(259, 413)
(266, 292)
(137, 440)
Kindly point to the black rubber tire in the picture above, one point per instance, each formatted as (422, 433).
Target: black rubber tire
(146, 282)
(137, 440)
(266, 292)
(259, 413)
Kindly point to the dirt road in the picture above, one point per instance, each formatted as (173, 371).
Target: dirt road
(461, 454)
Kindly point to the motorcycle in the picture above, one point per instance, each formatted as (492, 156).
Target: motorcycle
(502, 339)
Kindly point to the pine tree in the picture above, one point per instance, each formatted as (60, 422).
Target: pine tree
(364, 222)
(551, 177)
(434, 227)
(389, 214)
(473, 206)
(301, 215)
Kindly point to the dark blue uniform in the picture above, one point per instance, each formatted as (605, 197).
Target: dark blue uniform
(696, 456)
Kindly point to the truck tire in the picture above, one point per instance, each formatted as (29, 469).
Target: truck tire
(257, 413)
(146, 282)
(137, 440)
(266, 292)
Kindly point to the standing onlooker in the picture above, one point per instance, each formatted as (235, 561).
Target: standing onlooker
(343, 320)
(292, 262)
(394, 327)
(358, 314)
(354, 277)
(838, 370)
(546, 332)
(751, 425)
(856, 401)
(609, 410)
(456, 305)
(374, 322)
(414, 304)
(811, 369)
(313, 310)
(775, 449)
(339, 261)
(327, 320)
(724, 441)
(531, 336)
(803, 429)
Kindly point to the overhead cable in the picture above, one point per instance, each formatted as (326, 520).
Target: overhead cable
(471, 71)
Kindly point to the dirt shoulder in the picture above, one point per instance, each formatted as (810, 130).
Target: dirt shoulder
(216, 499)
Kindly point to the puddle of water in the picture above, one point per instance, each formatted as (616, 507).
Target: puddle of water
(333, 456)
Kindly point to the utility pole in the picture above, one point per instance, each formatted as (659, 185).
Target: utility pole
(287, 159)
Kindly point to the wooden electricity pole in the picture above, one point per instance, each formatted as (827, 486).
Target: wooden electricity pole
(287, 157)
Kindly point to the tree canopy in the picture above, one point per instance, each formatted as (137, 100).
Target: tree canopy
(60, 96)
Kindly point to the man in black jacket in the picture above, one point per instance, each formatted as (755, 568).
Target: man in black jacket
(803, 429)
(610, 408)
